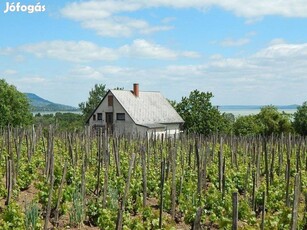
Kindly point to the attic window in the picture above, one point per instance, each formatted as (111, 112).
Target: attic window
(120, 116)
(94, 117)
(99, 118)
(110, 100)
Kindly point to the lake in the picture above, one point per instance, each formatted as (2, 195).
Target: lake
(245, 112)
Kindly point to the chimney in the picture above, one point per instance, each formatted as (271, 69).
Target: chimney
(136, 89)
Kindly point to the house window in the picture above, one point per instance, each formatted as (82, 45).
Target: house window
(99, 116)
(94, 117)
(120, 116)
(110, 100)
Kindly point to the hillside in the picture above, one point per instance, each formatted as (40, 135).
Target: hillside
(40, 104)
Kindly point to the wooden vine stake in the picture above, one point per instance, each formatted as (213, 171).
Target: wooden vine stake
(295, 202)
(60, 193)
(196, 224)
(161, 191)
(119, 223)
(144, 175)
(9, 181)
(173, 188)
(234, 211)
(263, 211)
(106, 172)
(221, 166)
(51, 176)
(266, 164)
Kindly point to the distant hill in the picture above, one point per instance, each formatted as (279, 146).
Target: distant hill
(40, 104)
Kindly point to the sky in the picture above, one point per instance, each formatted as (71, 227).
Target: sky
(244, 52)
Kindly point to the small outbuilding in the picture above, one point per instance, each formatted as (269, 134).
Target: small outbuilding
(135, 112)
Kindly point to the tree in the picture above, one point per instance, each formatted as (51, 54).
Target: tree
(300, 119)
(247, 125)
(172, 102)
(273, 121)
(199, 115)
(95, 96)
(228, 120)
(14, 106)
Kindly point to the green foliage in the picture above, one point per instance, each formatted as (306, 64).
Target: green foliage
(63, 121)
(14, 106)
(172, 102)
(240, 166)
(227, 122)
(273, 121)
(199, 114)
(300, 119)
(32, 220)
(95, 96)
(12, 217)
(246, 125)
(25, 176)
(77, 211)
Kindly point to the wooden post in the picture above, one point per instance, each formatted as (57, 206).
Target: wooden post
(144, 175)
(221, 165)
(254, 191)
(196, 224)
(263, 211)
(106, 172)
(295, 202)
(266, 163)
(199, 178)
(173, 186)
(60, 193)
(288, 182)
(48, 211)
(119, 223)
(116, 156)
(235, 211)
(9, 182)
(161, 191)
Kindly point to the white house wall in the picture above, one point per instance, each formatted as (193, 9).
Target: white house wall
(118, 126)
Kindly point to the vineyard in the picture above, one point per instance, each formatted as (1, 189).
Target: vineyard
(89, 180)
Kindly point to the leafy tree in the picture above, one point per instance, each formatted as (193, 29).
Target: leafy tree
(172, 102)
(273, 121)
(199, 114)
(300, 119)
(14, 106)
(63, 121)
(95, 96)
(247, 125)
(227, 123)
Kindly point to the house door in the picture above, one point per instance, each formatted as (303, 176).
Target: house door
(109, 121)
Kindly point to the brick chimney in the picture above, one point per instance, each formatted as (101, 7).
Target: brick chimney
(136, 89)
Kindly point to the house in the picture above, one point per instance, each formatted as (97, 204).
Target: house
(135, 113)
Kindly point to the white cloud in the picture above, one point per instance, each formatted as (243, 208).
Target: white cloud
(276, 74)
(105, 17)
(83, 51)
(144, 49)
(70, 51)
(229, 42)
(86, 72)
(8, 72)
(32, 80)
(282, 50)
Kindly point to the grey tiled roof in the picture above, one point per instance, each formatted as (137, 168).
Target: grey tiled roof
(147, 109)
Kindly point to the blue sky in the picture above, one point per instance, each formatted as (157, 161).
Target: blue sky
(244, 52)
